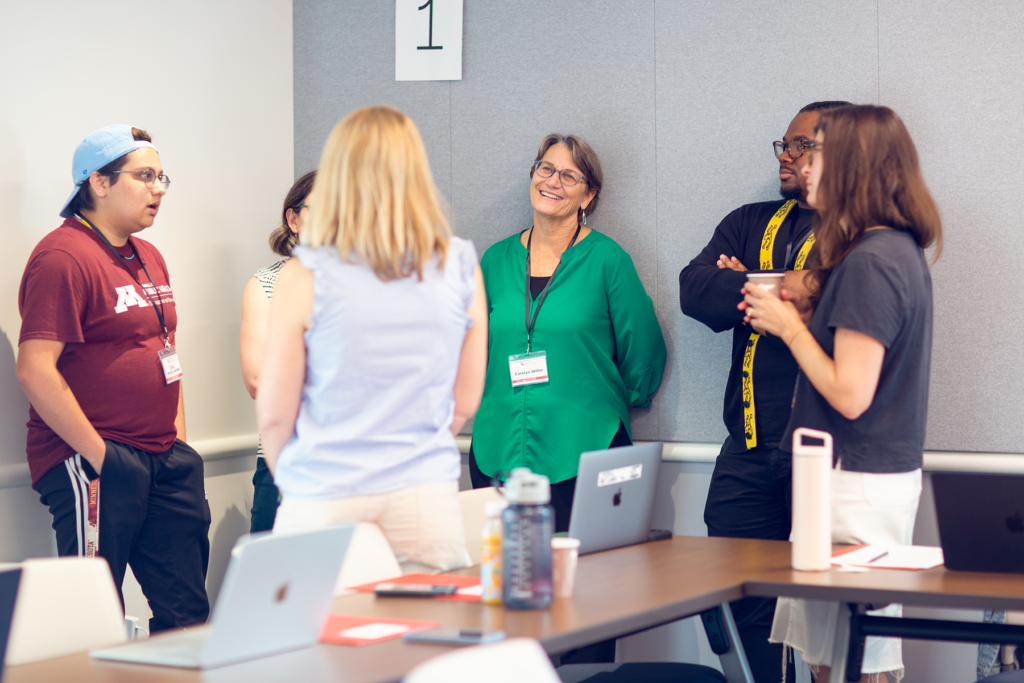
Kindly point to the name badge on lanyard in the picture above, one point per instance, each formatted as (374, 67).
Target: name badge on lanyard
(532, 368)
(170, 364)
(168, 356)
(528, 368)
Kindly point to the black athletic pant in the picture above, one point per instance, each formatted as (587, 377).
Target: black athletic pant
(750, 496)
(265, 498)
(153, 516)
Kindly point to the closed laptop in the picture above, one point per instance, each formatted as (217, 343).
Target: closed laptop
(981, 520)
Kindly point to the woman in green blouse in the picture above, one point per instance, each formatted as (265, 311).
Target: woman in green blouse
(566, 361)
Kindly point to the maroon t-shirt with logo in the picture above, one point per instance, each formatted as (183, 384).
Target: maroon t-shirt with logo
(76, 291)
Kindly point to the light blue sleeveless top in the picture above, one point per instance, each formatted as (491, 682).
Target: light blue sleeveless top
(377, 403)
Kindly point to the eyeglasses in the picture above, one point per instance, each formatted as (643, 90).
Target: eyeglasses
(568, 177)
(812, 147)
(150, 177)
(796, 148)
(300, 207)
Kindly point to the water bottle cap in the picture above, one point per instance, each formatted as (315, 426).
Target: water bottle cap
(524, 487)
(494, 508)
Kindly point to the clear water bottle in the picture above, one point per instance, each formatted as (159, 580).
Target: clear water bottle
(490, 552)
(526, 546)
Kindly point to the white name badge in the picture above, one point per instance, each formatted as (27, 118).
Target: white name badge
(171, 366)
(528, 368)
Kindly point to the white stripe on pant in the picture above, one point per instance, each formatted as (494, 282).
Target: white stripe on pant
(80, 485)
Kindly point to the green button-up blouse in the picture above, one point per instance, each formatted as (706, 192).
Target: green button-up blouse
(605, 353)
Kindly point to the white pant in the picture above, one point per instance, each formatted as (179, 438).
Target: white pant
(423, 524)
(869, 509)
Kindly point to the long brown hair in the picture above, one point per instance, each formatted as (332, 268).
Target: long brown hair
(871, 177)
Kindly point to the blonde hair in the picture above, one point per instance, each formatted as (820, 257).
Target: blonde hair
(374, 196)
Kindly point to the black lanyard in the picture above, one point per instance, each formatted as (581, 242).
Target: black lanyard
(159, 310)
(544, 292)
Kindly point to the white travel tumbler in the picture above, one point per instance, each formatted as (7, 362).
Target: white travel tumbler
(812, 511)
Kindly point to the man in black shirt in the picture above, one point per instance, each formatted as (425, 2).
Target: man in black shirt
(750, 490)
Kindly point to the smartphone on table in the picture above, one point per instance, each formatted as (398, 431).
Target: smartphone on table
(450, 635)
(413, 590)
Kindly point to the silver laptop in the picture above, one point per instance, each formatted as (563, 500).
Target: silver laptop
(614, 497)
(277, 591)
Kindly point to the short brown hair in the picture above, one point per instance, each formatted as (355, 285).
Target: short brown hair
(871, 177)
(585, 158)
(83, 201)
(282, 239)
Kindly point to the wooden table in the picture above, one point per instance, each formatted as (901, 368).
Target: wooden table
(618, 592)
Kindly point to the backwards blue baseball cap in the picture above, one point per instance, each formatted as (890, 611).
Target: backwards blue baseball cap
(98, 149)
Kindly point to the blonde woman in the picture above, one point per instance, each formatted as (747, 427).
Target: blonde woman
(376, 349)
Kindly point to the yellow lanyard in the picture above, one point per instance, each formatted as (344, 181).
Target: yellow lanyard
(766, 261)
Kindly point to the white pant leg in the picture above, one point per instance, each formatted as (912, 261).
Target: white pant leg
(298, 514)
(424, 525)
(867, 508)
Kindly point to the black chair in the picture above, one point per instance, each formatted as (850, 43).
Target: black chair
(637, 672)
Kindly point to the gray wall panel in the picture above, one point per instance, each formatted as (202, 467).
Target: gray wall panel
(681, 100)
(522, 81)
(731, 76)
(953, 71)
(345, 59)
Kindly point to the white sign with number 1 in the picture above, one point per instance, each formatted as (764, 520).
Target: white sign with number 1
(428, 40)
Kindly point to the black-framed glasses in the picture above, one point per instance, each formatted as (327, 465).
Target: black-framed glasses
(545, 169)
(796, 148)
(150, 177)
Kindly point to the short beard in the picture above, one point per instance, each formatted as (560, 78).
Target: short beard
(796, 193)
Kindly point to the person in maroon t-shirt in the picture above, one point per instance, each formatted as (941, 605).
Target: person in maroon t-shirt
(96, 359)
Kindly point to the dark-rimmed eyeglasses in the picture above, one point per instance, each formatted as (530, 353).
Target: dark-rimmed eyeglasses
(796, 148)
(150, 177)
(546, 169)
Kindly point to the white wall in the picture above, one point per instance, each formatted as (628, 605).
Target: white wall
(212, 82)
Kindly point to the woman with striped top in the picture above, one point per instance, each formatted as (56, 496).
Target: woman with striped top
(253, 335)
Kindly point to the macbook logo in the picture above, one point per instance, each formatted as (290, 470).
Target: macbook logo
(281, 593)
(617, 498)
(1015, 523)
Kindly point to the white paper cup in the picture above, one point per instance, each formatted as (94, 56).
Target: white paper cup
(564, 555)
(770, 281)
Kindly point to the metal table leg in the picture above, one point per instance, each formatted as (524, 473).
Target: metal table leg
(725, 642)
(841, 648)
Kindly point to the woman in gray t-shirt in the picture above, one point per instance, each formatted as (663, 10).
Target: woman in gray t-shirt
(865, 353)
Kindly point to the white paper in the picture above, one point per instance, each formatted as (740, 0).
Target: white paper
(428, 48)
(891, 557)
(477, 590)
(373, 631)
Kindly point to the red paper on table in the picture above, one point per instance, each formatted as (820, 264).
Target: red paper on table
(469, 586)
(348, 629)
